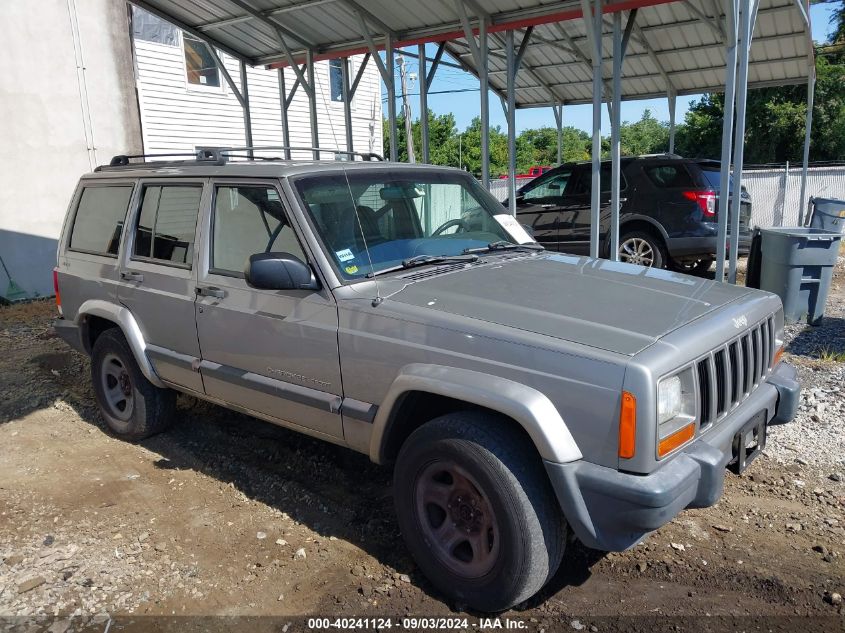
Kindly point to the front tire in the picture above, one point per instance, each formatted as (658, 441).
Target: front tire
(477, 511)
(132, 406)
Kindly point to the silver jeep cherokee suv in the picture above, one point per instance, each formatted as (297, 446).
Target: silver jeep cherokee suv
(520, 395)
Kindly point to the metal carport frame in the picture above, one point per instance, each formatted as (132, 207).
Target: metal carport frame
(680, 47)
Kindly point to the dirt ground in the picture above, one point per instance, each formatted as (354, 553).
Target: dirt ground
(225, 515)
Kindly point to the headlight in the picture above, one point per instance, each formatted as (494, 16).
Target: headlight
(675, 411)
(668, 399)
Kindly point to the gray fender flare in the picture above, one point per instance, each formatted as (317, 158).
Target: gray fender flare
(531, 409)
(123, 318)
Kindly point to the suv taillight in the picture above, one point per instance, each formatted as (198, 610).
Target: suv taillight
(705, 199)
(56, 289)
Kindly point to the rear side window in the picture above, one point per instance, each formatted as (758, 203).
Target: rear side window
(99, 219)
(669, 176)
(167, 223)
(249, 220)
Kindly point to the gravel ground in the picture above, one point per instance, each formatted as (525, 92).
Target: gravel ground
(225, 515)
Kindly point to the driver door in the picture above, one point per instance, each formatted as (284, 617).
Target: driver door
(272, 352)
(542, 206)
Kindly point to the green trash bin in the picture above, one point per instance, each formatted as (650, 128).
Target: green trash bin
(797, 265)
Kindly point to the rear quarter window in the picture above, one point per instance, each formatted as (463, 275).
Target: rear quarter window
(669, 176)
(99, 219)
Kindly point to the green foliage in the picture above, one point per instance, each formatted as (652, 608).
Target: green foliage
(646, 136)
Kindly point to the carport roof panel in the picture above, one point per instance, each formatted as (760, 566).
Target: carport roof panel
(672, 47)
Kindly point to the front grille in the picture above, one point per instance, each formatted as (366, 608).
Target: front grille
(728, 374)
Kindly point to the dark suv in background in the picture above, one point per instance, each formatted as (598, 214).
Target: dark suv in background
(668, 217)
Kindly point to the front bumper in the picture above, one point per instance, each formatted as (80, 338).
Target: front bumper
(612, 510)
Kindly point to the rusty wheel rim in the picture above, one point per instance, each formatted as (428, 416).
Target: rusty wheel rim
(456, 519)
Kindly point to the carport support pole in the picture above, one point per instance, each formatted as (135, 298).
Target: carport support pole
(247, 113)
(615, 141)
(558, 112)
(594, 30)
(484, 79)
(422, 80)
(746, 30)
(390, 81)
(808, 128)
(283, 102)
(727, 137)
(347, 107)
(511, 114)
(312, 102)
(673, 98)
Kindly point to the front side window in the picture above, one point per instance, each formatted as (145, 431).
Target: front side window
(99, 219)
(200, 66)
(249, 220)
(167, 223)
(550, 187)
(372, 220)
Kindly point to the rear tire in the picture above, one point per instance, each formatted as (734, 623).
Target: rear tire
(132, 406)
(643, 249)
(477, 511)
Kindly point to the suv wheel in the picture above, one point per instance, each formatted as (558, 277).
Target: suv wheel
(643, 249)
(132, 406)
(477, 511)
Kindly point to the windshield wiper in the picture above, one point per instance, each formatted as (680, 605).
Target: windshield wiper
(504, 245)
(425, 260)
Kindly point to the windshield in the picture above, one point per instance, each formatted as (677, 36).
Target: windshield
(374, 220)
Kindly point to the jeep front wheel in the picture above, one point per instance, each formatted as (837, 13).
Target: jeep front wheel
(477, 511)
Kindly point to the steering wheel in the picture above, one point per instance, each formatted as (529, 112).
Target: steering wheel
(449, 224)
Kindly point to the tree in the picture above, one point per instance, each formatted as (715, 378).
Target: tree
(646, 136)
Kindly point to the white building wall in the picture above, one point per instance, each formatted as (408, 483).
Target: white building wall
(47, 120)
(178, 116)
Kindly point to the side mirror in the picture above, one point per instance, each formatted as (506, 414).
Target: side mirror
(279, 271)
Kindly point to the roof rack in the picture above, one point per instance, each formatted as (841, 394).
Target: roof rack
(338, 152)
(220, 156)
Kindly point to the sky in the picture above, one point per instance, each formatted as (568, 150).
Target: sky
(464, 105)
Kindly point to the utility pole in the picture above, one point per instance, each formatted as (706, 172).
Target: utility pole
(406, 110)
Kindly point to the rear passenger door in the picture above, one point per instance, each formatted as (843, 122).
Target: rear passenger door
(273, 352)
(157, 279)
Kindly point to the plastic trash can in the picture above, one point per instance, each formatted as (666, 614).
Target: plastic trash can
(828, 214)
(797, 265)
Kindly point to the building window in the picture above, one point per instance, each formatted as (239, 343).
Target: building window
(336, 79)
(151, 28)
(199, 63)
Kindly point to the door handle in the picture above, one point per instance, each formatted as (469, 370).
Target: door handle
(210, 291)
(623, 200)
(547, 206)
(132, 276)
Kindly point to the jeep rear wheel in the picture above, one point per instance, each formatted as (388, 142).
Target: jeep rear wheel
(477, 511)
(132, 406)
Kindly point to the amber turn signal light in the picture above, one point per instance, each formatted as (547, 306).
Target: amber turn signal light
(678, 438)
(778, 355)
(627, 425)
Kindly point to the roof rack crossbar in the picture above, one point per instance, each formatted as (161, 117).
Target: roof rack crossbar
(343, 152)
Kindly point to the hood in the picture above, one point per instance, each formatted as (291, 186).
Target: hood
(613, 306)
